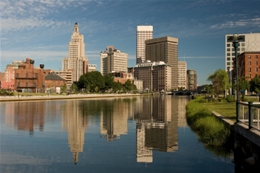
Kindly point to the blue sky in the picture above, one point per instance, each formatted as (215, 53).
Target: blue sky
(41, 29)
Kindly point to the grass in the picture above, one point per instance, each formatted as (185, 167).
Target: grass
(227, 110)
(209, 129)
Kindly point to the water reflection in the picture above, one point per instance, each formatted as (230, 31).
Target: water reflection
(131, 129)
(74, 120)
(24, 116)
(113, 119)
(157, 126)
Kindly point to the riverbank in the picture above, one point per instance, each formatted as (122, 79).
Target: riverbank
(61, 97)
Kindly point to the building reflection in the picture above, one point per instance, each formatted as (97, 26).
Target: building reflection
(74, 120)
(156, 127)
(24, 116)
(181, 110)
(113, 119)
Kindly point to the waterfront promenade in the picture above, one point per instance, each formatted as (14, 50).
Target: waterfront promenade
(61, 97)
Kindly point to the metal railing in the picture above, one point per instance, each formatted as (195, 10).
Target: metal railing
(249, 114)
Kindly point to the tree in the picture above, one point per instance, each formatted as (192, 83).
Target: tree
(128, 85)
(63, 88)
(243, 85)
(109, 80)
(94, 81)
(116, 86)
(220, 82)
(255, 85)
(73, 88)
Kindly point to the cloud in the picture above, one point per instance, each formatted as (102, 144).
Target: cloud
(15, 24)
(201, 57)
(39, 55)
(254, 22)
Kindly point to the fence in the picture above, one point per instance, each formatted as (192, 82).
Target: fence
(249, 113)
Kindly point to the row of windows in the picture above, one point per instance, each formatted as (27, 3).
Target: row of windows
(249, 69)
(239, 44)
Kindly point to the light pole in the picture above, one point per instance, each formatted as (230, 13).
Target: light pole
(235, 40)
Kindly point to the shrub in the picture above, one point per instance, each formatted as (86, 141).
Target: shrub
(230, 98)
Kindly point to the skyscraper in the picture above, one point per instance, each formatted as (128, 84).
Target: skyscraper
(77, 61)
(182, 68)
(164, 49)
(250, 43)
(113, 60)
(142, 33)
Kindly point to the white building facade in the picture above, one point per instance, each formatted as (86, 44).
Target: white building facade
(251, 42)
(76, 59)
(182, 68)
(113, 60)
(142, 33)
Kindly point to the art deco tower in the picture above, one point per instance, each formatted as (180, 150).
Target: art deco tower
(77, 61)
(142, 33)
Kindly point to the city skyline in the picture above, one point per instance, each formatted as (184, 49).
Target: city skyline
(41, 30)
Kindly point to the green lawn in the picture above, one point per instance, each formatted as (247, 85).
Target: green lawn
(227, 110)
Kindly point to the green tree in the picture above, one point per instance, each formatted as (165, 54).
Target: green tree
(94, 81)
(255, 85)
(109, 80)
(116, 86)
(128, 86)
(63, 88)
(243, 86)
(73, 88)
(220, 82)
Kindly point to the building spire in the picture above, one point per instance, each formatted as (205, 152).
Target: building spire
(76, 28)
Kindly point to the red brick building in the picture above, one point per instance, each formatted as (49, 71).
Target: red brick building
(29, 78)
(248, 65)
(54, 83)
(122, 77)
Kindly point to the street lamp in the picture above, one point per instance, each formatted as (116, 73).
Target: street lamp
(235, 40)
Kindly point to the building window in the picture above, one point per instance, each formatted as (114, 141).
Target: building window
(256, 56)
(26, 75)
(228, 59)
(228, 45)
(228, 54)
(256, 69)
(249, 69)
(256, 63)
(17, 75)
(249, 62)
(249, 56)
(228, 49)
(18, 84)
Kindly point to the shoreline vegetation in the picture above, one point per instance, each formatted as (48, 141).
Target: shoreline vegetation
(211, 131)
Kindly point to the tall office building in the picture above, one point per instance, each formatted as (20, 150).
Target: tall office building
(142, 33)
(250, 42)
(191, 80)
(113, 60)
(164, 49)
(77, 61)
(182, 68)
(156, 76)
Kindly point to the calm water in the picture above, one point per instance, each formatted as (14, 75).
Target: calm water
(137, 134)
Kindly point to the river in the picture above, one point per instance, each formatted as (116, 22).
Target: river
(134, 134)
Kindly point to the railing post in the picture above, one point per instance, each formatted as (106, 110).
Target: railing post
(250, 117)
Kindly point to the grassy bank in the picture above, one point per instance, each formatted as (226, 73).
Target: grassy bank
(209, 129)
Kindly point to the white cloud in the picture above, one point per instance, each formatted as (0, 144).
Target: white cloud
(201, 57)
(15, 24)
(21, 55)
(254, 22)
